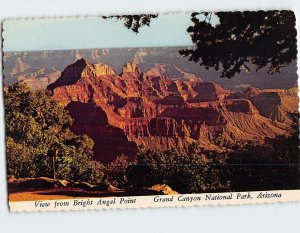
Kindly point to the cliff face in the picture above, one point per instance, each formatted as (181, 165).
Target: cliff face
(276, 104)
(121, 112)
(92, 120)
(19, 67)
(170, 70)
(153, 61)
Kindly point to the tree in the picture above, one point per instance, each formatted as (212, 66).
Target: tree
(261, 38)
(116, 171)
(134, 22)
(39, 141)
(240, 39)
(19, 162)
(183, 172)
(275, 165)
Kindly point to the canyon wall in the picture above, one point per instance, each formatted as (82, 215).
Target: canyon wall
(135, 108)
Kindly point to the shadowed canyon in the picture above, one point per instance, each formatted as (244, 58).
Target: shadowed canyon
(121, 111)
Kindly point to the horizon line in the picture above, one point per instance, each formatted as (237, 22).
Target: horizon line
(90, 48)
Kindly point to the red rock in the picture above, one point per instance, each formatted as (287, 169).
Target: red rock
(276, 104)
(131, 68)
(123, 111)
(110, 141)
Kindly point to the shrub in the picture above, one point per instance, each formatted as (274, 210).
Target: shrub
(39, 142)
(116, 171)
(183, 172)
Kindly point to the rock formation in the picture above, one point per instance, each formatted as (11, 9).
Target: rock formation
(20, 66)
(276, 104)
(122, 112)
(157, 61)
(171, 70)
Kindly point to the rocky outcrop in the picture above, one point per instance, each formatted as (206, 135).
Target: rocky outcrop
(95, 70)
(171, 70)
(165, 60)
(162, 189)
(40, 79)
(131, 68)
(276, 104)
(121, 112)
(19, 67)
(70, 75)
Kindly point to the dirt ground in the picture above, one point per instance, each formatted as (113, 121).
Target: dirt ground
(33, 196)
(57, 194)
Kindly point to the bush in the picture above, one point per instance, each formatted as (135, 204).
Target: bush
(116, 171)
(39, 139)
(19, 159)
(183, 172)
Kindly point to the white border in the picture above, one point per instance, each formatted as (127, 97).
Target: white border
(158, 201)
(275, 218)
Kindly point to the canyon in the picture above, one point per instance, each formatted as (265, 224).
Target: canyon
(127, 108)
(38, 69)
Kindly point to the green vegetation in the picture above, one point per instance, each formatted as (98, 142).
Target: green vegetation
(184, 172)
(134, 22)
(275, 165)
(39, 142)
(249, 40)
(243, 40)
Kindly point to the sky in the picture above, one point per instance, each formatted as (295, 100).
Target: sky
(93, 32)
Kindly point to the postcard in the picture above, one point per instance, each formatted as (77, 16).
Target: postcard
(151, 110)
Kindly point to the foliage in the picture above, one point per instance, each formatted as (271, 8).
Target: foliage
(134, 22)
(32, 142)
(37, 129)
(241, 38)
(272, 166)
(263, 38)
(116, 171)
(19, 158)
(184, 172)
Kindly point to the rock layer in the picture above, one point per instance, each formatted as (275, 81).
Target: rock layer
(121, 112)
